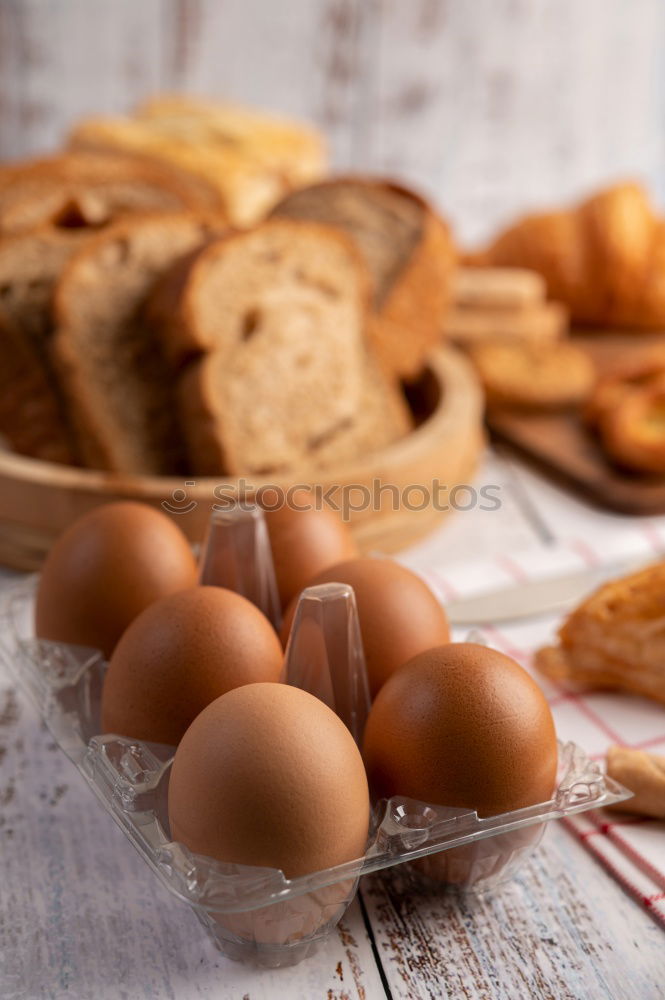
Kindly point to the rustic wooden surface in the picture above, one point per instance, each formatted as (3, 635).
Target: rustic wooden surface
(491, 106)
(557, 930)
(82, 917)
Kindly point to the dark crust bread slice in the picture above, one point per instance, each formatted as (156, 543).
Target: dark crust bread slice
(409, 253)
(31, 419)
(33, 413)
(118, 385)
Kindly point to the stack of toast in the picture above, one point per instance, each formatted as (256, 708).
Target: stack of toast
(518, 340)
(492, 303)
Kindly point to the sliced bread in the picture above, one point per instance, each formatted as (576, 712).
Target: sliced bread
(117, 384)
(33, 414)
(382, 418)
(272, 322)
(31, 420)
(408, 251)
(48, 209)
(101, 188)
(250, 159)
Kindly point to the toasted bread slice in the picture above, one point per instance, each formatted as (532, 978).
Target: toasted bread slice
(249, 159)
(534, 376)
(116, 381)
(497, 288)
(540, 323)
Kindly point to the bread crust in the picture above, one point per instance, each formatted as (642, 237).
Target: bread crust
(75, 175)
(172, 305)
(410, 322)
(407, 324)
(245, 160)
(379, 415)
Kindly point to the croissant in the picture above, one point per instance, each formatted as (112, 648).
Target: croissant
(605, 258)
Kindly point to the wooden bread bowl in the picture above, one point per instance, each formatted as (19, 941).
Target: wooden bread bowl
(39, 499)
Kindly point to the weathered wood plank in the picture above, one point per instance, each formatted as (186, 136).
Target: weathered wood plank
(560, 930)
(82, 915)
(68, 60)
(492, 107)
(501, 105)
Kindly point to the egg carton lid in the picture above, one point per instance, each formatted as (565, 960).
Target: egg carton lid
(130, 778)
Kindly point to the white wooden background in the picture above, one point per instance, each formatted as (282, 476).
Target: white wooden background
(490, 105)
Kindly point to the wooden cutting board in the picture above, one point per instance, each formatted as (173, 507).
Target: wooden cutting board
(563, 447)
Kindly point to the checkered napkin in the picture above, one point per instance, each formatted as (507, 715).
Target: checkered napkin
(632, 849)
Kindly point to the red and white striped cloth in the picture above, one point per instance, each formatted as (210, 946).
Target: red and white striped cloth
(632, 849)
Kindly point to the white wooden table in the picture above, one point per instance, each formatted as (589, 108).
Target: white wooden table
(82, 917)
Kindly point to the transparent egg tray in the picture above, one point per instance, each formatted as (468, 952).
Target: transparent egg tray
(256, 914)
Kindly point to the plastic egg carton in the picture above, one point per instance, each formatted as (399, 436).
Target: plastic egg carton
(253, 913)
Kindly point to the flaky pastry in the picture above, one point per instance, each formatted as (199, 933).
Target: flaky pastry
(615, 639)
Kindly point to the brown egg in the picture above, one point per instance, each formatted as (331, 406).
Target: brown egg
(462, 725)
(267, 775)
(105, 569)
(179, 655)
(305, 542)
(399, 615)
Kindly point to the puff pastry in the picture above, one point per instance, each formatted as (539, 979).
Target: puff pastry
(615, 639)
